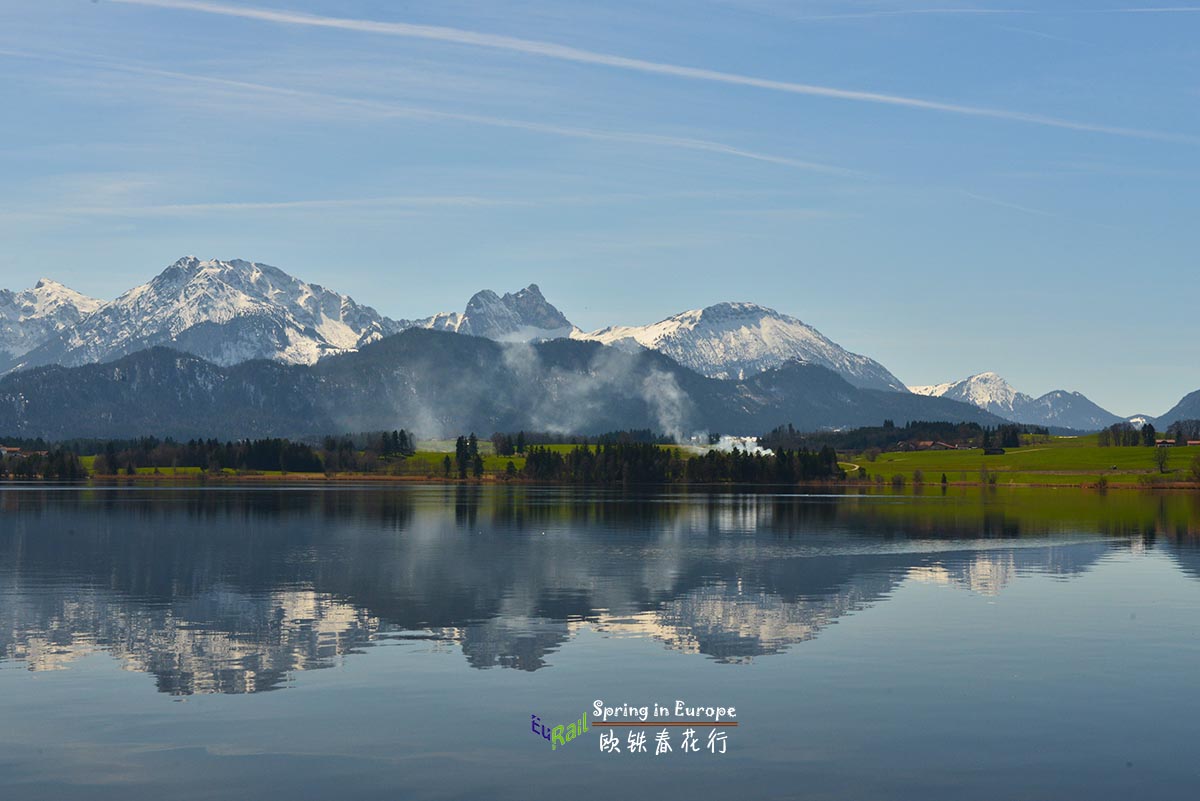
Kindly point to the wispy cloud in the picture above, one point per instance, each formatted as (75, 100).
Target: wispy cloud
(387, 203)
(1043, 35)
(942, 11)
(92, 196)
(1004, 204)
(388, 109)
(1160, 10)
(412, 202)
(916, 12)
(573, 54)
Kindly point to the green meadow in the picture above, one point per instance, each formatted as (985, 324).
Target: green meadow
(1058, 461)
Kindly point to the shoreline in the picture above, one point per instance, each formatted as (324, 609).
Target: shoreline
(908, 488)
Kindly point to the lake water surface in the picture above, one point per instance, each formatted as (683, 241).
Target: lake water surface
(393, 643)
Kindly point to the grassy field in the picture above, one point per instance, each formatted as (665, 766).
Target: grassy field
(1060, 461)
(491, 462)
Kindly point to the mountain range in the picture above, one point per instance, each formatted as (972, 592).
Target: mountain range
(229, 313)
(440, 383)
(1057, 409)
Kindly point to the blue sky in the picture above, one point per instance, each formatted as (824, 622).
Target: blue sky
(946, 187)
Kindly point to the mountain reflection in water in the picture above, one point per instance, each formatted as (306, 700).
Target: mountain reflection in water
(235, 590)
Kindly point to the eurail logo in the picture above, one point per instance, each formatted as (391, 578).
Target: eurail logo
(559, 735)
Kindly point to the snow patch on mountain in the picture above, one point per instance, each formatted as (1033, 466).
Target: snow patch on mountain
(442, 321)
(735, 340)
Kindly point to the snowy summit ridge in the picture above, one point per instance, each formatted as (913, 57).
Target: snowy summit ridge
(29, 318)
(234, 311)
(986, 390)
(734, 340)
(223, 311)
(992, 393)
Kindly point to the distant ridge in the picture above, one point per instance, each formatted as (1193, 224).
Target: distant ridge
(1056, 409)
(1188, 408)
(229, 312)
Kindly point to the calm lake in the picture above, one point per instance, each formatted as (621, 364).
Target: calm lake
(395, 642)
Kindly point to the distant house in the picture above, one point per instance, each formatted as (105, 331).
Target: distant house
(6, 450)
(926, 445)
(1192, 442)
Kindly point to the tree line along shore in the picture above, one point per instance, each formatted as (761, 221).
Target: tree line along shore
(892, 457)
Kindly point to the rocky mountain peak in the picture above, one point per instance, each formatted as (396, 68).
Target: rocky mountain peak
(525, 315)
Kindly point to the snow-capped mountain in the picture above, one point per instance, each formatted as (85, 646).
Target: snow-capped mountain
(223, 311)
(986, 390)
(1059, 408)
(735, 340)
(29, 318)
(234, 311)
(523, 316)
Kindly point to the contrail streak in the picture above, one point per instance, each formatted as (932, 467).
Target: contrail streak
(578, 55)
(988, 12)
(387, 109)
